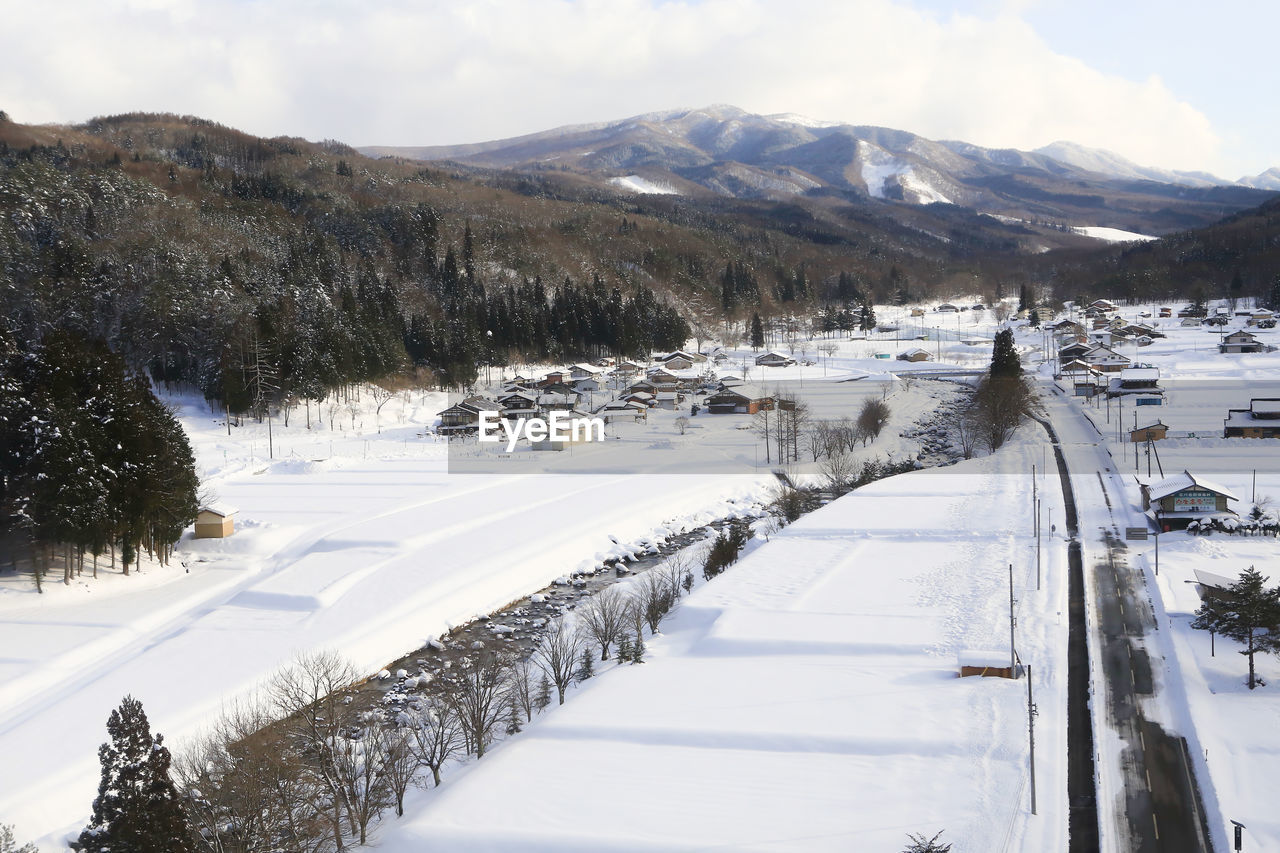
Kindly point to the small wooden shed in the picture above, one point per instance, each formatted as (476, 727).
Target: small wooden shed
(215, 521)
(986, 663)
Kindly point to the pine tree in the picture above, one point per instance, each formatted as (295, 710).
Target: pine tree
(586, 666)
(637, 651)
(624, 649)
(8, 844)
(868, 320)
(920, 844)
(1246, 612)
(757, 331)
(1023, 305)
(1004, 358)
(543, 697)
(137, 809)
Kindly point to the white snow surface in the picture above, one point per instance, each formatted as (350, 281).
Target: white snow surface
(643, 186)
(1111, 235)
(808, 698)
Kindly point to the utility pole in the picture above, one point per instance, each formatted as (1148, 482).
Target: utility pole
(1031, 737)
(1035, 505)
(1013, 620)
(1037, 545)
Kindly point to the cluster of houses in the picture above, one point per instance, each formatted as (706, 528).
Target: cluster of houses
(633, 389)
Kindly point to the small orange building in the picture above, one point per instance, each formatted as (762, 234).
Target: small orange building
(215, 521)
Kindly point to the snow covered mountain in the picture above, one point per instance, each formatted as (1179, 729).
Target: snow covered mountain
(725, 151)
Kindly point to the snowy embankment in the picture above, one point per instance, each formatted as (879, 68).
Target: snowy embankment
(808, 698)
(367, 556)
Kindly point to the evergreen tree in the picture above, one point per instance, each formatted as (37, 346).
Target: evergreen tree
(543, 697)
(137, 809)
(8, 844)
(920, 844)
(586, 665)
(637, 651)
(868, 320)
(1004, 358)
(757, 331)
(1023, 305)
(1246, 612)
(624, 649)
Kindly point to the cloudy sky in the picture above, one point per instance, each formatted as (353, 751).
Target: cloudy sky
(1162, 82)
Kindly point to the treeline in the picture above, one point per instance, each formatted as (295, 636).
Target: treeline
(91, 463)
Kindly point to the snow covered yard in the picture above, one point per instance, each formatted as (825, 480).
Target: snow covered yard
(808, 698)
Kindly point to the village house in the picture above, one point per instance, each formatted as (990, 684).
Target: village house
(1259, 315)
(1241, 341)
(557, 401)
(1103, 305)
(1176, 501)
(623, 410)
(1260, 420)
(517, 405)
(914, 354)
(773, 358)
(739, 399)
(1166, 311)
(1106, 359)
(1139, 379)
(578, 372)
(1151, 432)
(464, 416)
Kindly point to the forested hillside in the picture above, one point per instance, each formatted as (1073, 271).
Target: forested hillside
(1235, 258)
(262, 269)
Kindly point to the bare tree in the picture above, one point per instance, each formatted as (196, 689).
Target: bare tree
(673, 570)
(381, 396)
(967, 427)
(436, 735)
(310, 696)
(604, 618)
(837, 469)
(244, 788)
(557, 657)
(401, 763)
(361, 762)
(654, 598)
(521, 689)
(478, 695)
(682, 424)
(872, 418)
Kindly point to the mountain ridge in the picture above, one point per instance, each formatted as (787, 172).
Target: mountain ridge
(722, 150)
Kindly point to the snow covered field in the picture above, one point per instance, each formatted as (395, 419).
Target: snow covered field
(353, 537)
(808, 698)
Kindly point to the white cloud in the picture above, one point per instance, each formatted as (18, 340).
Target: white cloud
(404, 72)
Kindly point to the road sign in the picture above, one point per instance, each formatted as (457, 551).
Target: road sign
(1135, 533)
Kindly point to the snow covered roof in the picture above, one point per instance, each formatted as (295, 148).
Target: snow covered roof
(222, 509)
(1185, 480)
(1140, 374)
(1264, 406)
(991, 658)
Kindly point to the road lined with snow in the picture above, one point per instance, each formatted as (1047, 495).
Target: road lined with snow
(1147, 797)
